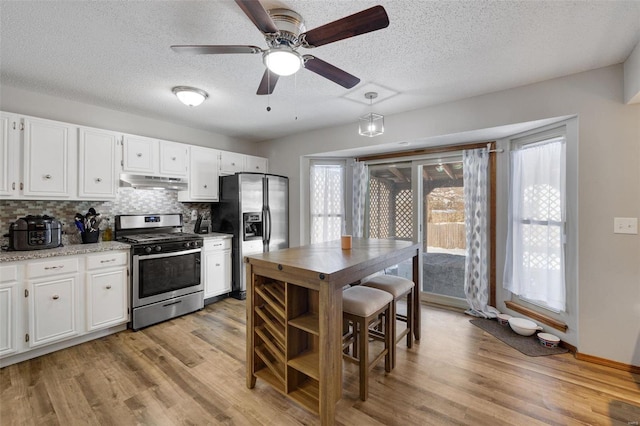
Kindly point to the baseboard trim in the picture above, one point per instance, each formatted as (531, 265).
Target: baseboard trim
(608, 363)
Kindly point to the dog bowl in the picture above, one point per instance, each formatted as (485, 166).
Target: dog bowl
(548, 340)
(524, 327)
(503, 319)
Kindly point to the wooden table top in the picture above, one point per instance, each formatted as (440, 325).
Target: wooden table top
(329, 262)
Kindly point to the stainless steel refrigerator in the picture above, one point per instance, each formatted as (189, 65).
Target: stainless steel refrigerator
(254, 207)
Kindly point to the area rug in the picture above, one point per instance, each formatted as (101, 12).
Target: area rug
(528, 345)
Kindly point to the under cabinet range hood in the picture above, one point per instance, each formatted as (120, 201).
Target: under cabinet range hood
(151, 182)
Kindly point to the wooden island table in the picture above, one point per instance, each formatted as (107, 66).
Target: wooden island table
(294, 315)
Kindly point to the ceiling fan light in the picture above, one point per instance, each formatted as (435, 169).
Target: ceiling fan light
(371, 125)
(282, 61)
(190, 96)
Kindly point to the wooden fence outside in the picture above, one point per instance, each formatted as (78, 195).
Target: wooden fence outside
(445, 235)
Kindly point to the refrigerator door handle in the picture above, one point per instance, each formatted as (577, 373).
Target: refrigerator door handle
(269, 230)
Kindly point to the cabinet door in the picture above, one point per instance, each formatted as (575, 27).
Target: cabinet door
(203, 176)
(140, 155)
(98, 164)
(173, 159)
(231, 162)
(255, 164)
(9, 154)
(53, 309)
(8, 309)
(48, 148)
(106, 298)
(217, 273)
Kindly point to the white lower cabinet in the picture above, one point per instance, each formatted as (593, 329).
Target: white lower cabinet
(9, 304)
(217, 267)
(53, 303)
(106, 287)
(53, 309)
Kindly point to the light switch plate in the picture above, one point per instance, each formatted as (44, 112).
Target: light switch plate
(625, 225)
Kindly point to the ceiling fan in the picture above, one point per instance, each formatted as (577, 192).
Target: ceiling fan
(284, 32)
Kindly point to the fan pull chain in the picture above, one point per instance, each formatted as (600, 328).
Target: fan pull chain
(268, 91)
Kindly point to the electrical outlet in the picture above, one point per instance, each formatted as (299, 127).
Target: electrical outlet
(194, 214)
(625, 225)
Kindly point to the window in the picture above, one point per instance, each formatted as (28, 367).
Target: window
(535, 256)
(327, 200)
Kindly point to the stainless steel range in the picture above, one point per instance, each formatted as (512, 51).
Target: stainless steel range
(166, 267)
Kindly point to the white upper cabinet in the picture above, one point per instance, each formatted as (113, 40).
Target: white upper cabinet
(9, 154)
(255, 164)
(50, 150)
(140, 155)
(174, 159)
(154, 157)
(231, 162)
(203, 175)
(98, 164)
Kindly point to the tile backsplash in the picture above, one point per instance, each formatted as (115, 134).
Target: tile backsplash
(127, 201)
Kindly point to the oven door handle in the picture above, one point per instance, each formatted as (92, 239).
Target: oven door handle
(160, 255)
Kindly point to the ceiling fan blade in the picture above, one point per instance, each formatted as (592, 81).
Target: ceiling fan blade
(194, 49)
(329, 71)
(363, 22)
(258, 15)
(268, 83)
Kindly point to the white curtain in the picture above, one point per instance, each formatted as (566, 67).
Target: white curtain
(360, 187)
(476, 200)
(326, 202)
(534, 267)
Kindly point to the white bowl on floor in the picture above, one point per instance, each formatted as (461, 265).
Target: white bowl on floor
(524, 327)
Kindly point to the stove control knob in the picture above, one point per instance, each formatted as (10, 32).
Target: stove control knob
(187, 244)
(158, 248)
(194, 244)
(147, 249)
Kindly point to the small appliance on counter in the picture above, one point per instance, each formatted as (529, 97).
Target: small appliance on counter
(202, 225)
(35, 233)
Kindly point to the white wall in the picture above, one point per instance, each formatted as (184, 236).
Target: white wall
(632, 77)
(608, 185)
(44, 106)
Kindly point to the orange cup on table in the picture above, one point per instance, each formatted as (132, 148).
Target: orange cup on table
(345, 242)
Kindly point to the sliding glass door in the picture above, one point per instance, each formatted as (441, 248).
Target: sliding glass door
(423, 201)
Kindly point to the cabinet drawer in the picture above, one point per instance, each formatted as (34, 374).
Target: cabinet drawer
(8, 273)
(217, 244)
(61, 265)
(106, 260)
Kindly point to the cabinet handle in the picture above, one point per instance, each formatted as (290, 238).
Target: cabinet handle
(47, 176)
(173, 158)
(257, 167)
(217, 264)
(98, 179)
(13, 186)
(233, 164)
(55, 297)
(46, 268)
(205, 186)
(109, 287)
(139, 154)
(107, 261)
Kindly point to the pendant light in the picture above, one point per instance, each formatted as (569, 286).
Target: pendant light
(190, 96)
(371, 124)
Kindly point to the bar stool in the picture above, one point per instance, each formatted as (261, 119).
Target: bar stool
(398, 287)
(361, 307)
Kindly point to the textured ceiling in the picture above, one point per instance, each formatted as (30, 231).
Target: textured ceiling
(117, 55)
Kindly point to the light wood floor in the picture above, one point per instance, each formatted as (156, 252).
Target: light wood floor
(190, 371)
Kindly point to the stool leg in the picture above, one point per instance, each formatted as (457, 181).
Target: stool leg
(363, 357)
(391, 319)
(410, 296)
(389, 339)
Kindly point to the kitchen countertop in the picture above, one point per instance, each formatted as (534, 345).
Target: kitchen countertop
(67, 250)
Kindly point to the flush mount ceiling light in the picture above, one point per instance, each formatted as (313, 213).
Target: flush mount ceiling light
(190, 96)
(282, 60)
(371, 124)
